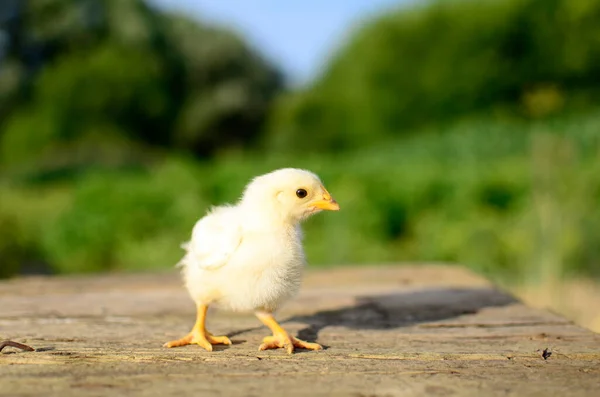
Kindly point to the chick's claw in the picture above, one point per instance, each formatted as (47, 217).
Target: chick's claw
(287, 342)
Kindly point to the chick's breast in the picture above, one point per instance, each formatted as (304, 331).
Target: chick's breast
(241, 269)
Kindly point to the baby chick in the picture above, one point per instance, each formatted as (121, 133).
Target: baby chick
(249, 257)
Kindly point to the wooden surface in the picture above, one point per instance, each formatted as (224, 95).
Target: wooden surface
(389, 331)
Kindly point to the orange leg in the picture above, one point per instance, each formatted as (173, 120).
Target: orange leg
(280, 337)
(199, 335)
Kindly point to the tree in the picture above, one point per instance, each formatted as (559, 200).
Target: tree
(435, 62)
(104, 81)
(230, 88)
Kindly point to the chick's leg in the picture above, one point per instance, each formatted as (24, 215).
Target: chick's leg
(280, 337)
(199, 335)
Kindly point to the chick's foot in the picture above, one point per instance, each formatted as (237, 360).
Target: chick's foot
(288, 343)
(199, 335)
(280, 338)
(202, 338)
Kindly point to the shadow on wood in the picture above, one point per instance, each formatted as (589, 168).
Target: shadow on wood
(403, 309)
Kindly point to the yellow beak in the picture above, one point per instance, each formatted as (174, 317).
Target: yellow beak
(326, 203)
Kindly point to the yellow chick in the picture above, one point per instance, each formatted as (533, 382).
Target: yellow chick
(249, 257)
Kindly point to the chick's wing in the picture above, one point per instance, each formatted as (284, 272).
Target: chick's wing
(214, 239)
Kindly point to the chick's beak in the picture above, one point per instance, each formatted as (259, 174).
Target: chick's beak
(326, 203)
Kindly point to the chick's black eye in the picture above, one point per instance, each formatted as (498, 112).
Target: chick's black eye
(301, 193)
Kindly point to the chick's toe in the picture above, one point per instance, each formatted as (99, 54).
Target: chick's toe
(218, 340)
(306, 345)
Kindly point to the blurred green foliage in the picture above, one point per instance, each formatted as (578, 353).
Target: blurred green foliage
(456, 131)
(508, 199)
(119, 74)
(440, 60)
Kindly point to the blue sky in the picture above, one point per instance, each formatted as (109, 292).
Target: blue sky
(299, 36)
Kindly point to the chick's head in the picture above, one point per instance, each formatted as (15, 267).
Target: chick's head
(292, 194)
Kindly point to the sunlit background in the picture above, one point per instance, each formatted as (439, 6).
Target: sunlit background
(464, 132)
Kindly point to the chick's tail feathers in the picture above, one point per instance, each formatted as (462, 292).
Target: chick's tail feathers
(185, 246)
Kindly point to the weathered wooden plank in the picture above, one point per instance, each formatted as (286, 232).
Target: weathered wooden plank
(389, 331)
